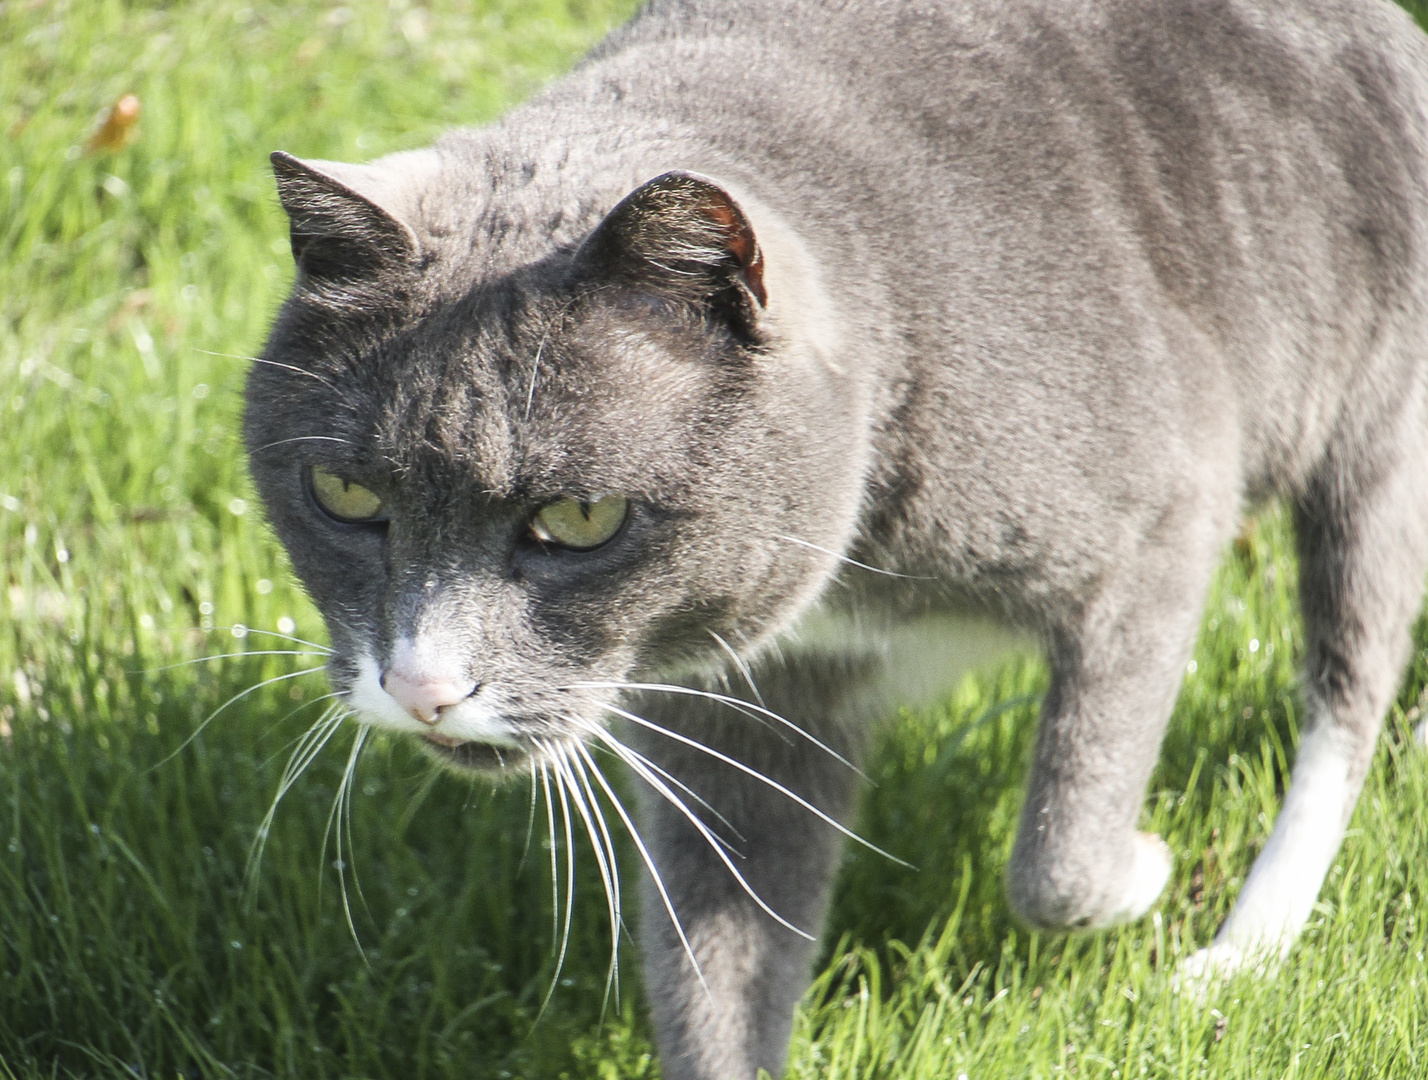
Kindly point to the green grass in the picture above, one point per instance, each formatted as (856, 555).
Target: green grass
(129, 942)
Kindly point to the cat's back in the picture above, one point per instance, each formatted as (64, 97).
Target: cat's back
(1192, 208)
(883, 45)
(1178, 118)
(1141, 224)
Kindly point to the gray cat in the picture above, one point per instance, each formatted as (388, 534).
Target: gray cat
(781, 357)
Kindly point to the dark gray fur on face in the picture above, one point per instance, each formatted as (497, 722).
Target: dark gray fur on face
(1021, 304)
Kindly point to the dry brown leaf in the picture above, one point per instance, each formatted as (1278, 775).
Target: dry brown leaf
(118, 127)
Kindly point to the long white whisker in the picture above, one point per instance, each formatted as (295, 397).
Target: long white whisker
(286, 637)
(658, 779)
(255, 687)
(724, 699)
(649, 862)
(232, 655)
(236, 697)
(589, 808)
(850, 562)
(760, 777)
(309, 746)
(554, 864)
(273, 363)
(344, 795)
(740, 664)
(300, 438)
(569, 879)
(307, 750)
(333, 828)
(288, 716)
(716, 844)
(530, 821)
(677, 782)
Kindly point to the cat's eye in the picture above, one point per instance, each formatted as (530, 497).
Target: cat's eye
(344, 500)
(580, 525)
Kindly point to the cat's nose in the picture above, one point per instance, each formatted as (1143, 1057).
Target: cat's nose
(425, 693)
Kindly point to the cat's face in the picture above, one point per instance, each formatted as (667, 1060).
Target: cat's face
(510, 493)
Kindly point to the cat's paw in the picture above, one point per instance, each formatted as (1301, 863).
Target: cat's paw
(1204, 971)
(1150, 870)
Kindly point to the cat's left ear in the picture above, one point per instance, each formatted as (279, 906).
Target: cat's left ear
(683, 236)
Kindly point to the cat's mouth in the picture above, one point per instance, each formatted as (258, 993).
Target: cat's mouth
(473, 755)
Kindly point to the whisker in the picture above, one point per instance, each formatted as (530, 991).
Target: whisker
(240, 356)
(569, 881)
(301, 438)
(716, 844)
(363, 734)
(236, 697)
(760, 777)
(343, 805)
(288, 716)
(740, 665)
(677, 782)
(277, 364)
(540, 348)
(334, 818)
(643, 768)
(286, 637)
(604, 850)
(746, 707)
(530, 821)
(309, 746)
(850, 562)
(554, 862)
(232, 655)
(649, 862)
(535, 371)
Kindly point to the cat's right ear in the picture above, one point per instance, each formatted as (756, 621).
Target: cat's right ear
(685, 237)
(342, 223)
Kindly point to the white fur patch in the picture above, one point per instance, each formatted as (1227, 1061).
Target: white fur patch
(923, 658)
(1149, 873)
(1284, 882)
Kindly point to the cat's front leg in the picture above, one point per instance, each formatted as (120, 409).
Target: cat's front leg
(1079, 860)
(749, 884)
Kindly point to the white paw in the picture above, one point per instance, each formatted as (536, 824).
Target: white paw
(1149, 872)
(1206, 970)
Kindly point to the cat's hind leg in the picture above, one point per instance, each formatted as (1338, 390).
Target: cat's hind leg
(752, 936)
(1363, 547)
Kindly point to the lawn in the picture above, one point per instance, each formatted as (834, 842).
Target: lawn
(137, 935)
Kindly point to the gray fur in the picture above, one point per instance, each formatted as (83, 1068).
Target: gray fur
(1044, 296)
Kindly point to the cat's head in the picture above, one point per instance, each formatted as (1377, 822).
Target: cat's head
(519, 460)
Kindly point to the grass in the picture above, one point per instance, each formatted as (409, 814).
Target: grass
(131, 284)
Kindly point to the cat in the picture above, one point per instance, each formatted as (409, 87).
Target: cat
(784, 357)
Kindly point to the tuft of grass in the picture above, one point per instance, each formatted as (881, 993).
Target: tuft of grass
(133, 281)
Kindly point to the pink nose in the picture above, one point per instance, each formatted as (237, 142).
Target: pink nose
(425, 694)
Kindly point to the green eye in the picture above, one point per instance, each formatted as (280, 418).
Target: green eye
(343, 499)
(580, 525)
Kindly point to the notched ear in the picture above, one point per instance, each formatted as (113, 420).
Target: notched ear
(340, 228)
(683, 236)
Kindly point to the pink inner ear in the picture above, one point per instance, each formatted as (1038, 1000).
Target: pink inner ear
(742, 245)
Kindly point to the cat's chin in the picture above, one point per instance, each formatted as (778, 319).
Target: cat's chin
(488, 759)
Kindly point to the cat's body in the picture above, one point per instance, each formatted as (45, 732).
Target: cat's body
(1017, 307)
